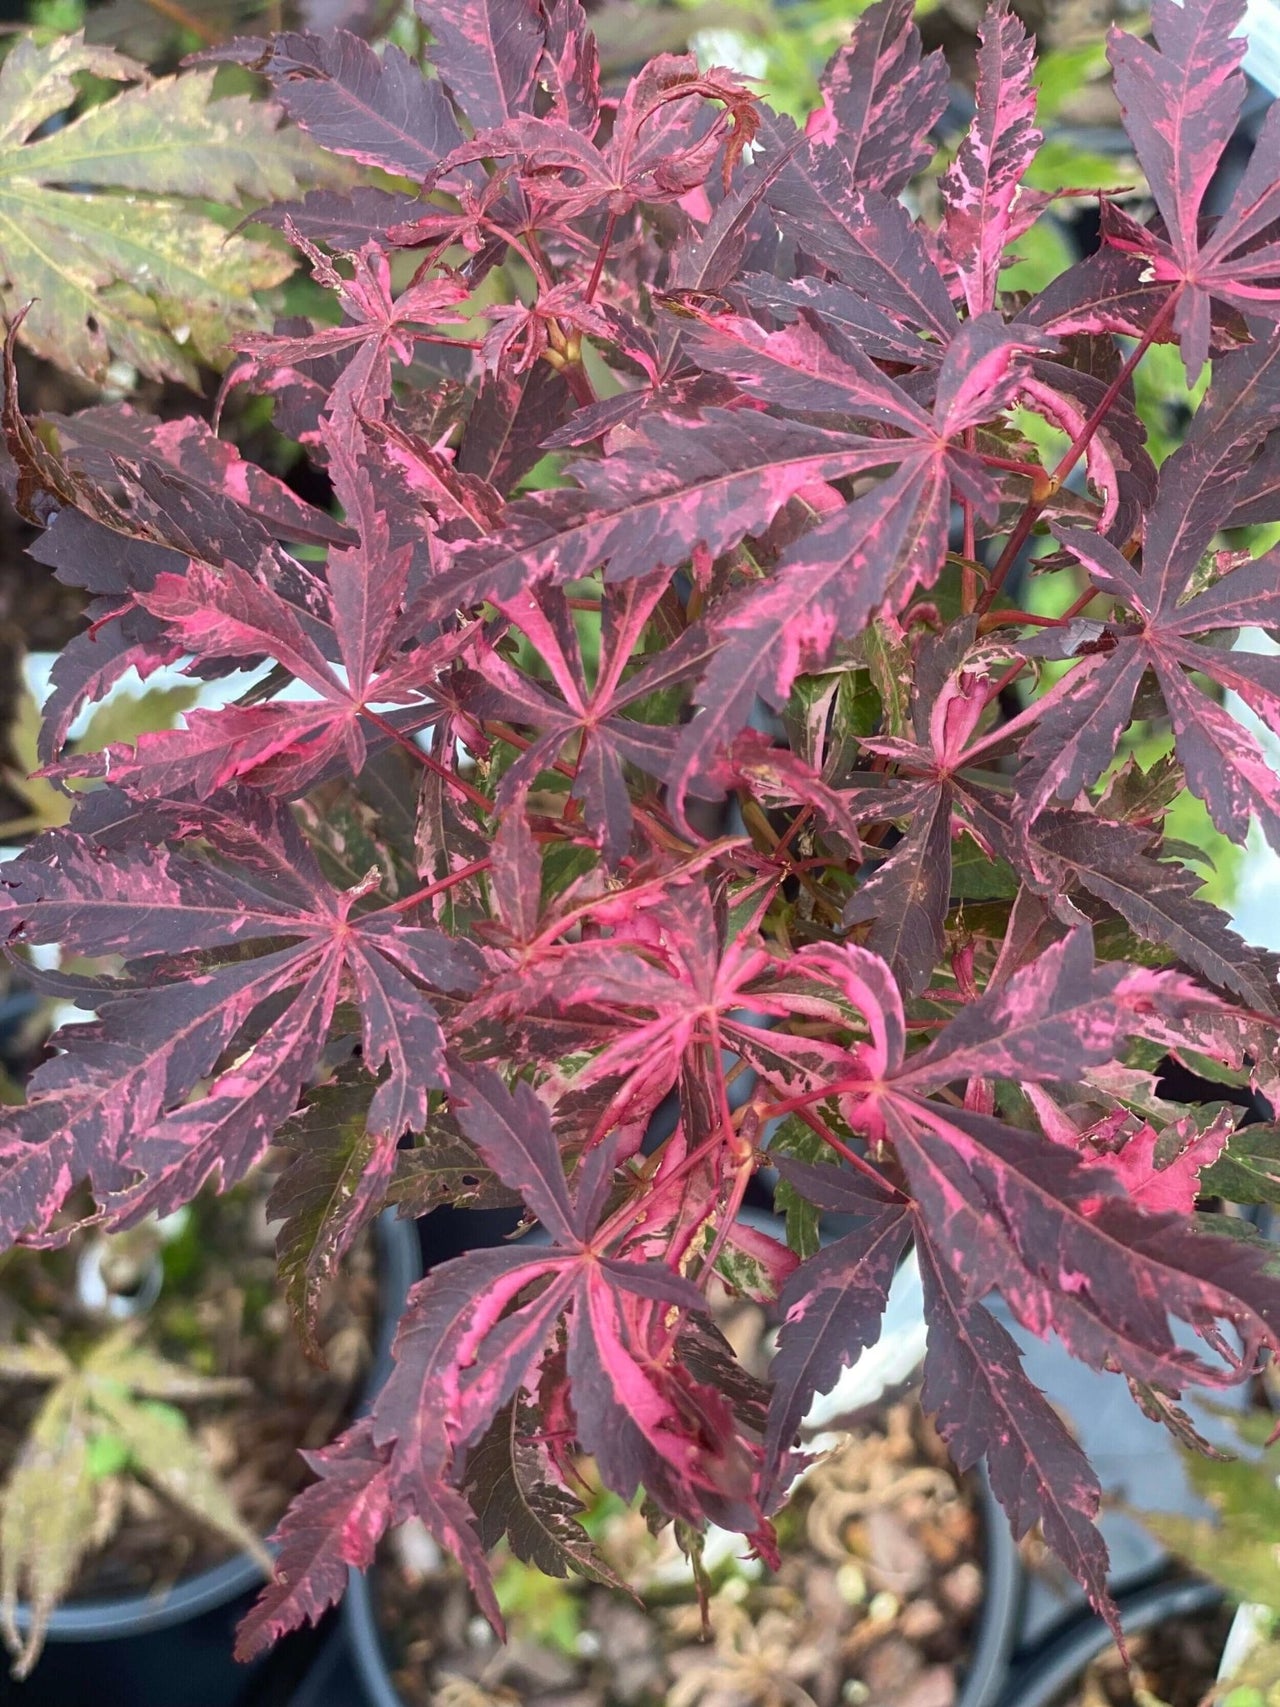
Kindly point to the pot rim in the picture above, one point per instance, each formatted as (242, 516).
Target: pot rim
(980, 1683)
(1043, 1679)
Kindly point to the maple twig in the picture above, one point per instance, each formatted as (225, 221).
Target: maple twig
(593, 283)
(178, 14)
(1074, 451)
(438, 887)
(429, 761)
(968, 573)
(1011, 675)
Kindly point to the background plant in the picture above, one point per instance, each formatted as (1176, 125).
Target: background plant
(468, 892)
(109, 1412)
(109, 233)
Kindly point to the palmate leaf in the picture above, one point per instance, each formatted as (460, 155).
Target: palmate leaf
(1052, 1231)
(870, 554)
(153, 1043)
(97, 230)
(592, 719)
(1181, 98)
(114, 1394)
(657, 149)
(508, 1306)
(341, 637)
(1164, 631)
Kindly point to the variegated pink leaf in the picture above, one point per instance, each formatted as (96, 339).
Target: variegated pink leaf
(980, 187)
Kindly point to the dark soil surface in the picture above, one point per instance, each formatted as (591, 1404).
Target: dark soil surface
(219, 1312)
(1174, 1665)
(882, 1576)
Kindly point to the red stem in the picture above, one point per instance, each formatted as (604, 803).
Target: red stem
(428, 762)
(815, 1124)
(438, 888)
(968, 574)
(593, 282)
(1074, 451)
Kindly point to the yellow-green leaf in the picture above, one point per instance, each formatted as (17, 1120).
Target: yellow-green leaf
(93, 233)
(163, 1450)
(47, 1521)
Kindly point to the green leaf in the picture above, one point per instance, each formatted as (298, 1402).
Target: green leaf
(892, 673)
(119, 266)
(108, 1456)
(326, 1194)
(444, 1169)
(47, 1521)
(162, 1448)
(975, 876)
(101, 1418)
(38, 1361)
(122, 719)
(1237, 1546)
(794, 1138)
(1248, 1170)
(116, 1363)
(514, 1495)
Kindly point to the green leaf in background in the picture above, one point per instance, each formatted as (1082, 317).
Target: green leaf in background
(123, 718)
(94, 232)
(1237, 1547)
(1248, 1170)
(50, 1504)
(102, 1415)
(794, 1138)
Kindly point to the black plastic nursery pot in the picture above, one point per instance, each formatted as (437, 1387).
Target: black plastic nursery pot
(994, 1635)
(1052, 1675)
(175, 1649)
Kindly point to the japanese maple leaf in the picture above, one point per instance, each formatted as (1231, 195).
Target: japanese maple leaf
(377, 108)
(119, 1106)
(983, 211)
(996, 1210)
(488, 53)
(377, 326)
(339, 639)
(835, 197)
(680, 482)
(1181, 98)
(947, 778)
(906, 896)
(658, 1001)
(477, 1331)
(591, 717)
(1167, 618)
(872, 553)
(93, 439)
(1160, 1171)
(655, 152)
(880, 99)
(834, 1303)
